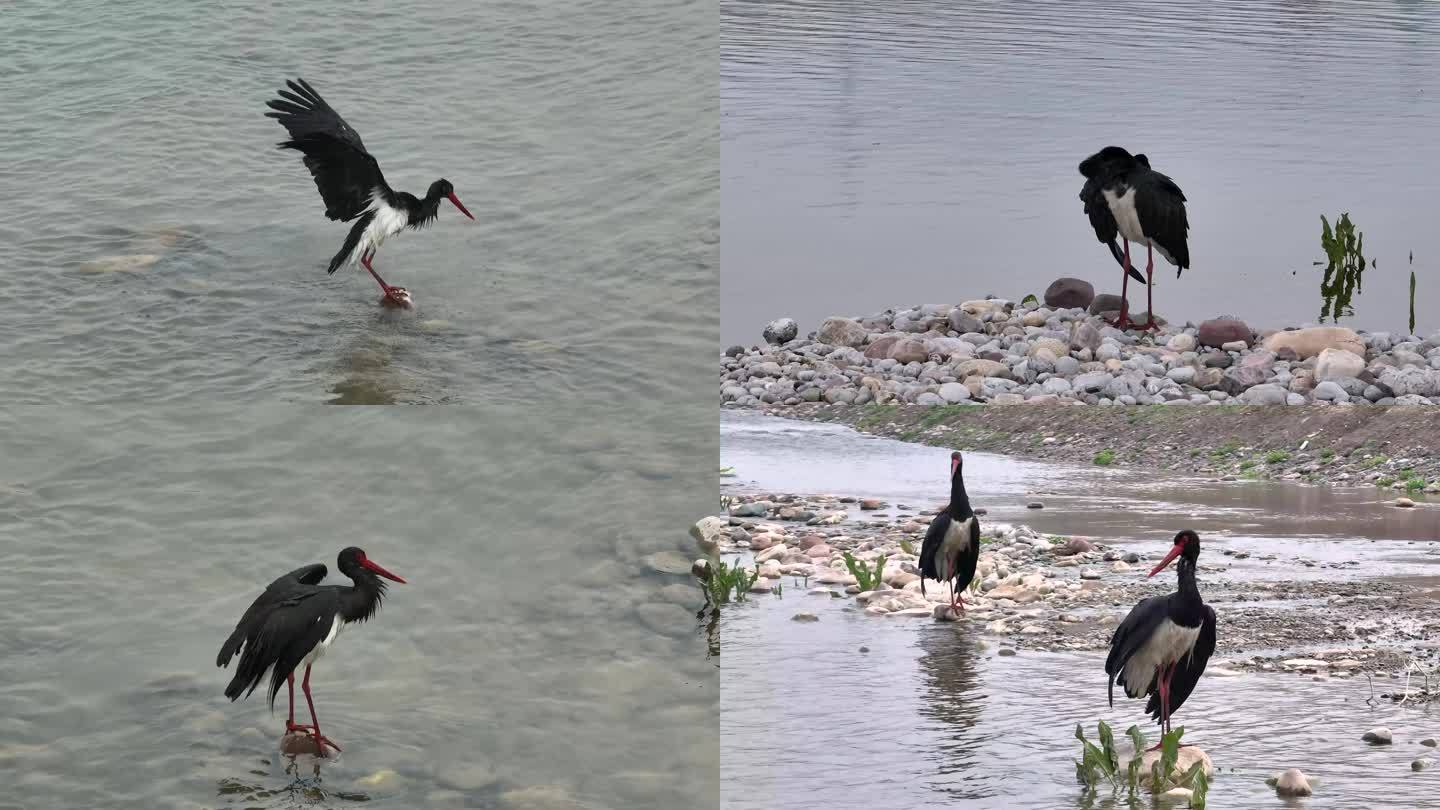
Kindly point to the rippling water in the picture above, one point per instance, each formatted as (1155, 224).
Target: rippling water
(533, 661)
(931, 717)
(891, 154)
(165, 250)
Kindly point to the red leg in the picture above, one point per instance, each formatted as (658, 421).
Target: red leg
(290, 724)
(395, 293)
(1123, 319)
(957, 598)
(1162, 679)
(320, 739)
(1149, 300)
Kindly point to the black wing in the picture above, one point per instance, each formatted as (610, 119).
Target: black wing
(1160, 206)
(275, 593)
(969, 558)
(280, 638)
(1130, 636)
(1103, 221)
(346, 175)
(1183, 681)
(934, 536)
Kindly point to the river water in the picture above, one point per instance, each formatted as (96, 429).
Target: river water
(534, 659)
(931, 718)
(895, 154)
(167, 251)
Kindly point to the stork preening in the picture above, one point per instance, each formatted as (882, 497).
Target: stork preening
(350, 181)
(1162, 647)
(294, 622)
(1124, 197)
(952, 543)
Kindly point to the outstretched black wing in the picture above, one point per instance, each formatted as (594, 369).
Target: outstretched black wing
(1188, 672)
(346, 175)
(1160, 206)
(1139, 626)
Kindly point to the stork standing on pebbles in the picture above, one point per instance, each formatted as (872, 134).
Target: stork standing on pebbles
(1123, 196)
(952, 543)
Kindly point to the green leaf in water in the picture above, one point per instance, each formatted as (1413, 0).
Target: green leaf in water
(1107, 744)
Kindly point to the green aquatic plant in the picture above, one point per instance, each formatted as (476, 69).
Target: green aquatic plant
(1105, 458)
(941, 413)
(1415, 484)
(1344, 248)
(725, 581)
(865, 576)
(727, 472)
(1248, 463)
(1412, 296)
(907, 546)
(1276, 457)
(1225, 451)
(1100, 762)
(1384, 481)
(1327, 454)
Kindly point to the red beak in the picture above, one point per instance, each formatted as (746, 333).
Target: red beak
(456, 200)
(954, 462)
(381, 571)
(1174, 552)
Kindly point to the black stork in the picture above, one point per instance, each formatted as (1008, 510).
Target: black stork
(952, 543)
(293, 622)
(1162, 647)
(350, 181)
(1123, 196)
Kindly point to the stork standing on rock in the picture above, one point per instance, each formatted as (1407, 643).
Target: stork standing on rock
(1123, 196)
(952, 543)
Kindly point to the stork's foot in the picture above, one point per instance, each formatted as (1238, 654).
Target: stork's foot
(396, 297)
(321, 741)
(957, 603)
(1122, 321)
(301, 727)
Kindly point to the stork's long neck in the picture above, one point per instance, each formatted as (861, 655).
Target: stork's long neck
(425, 210)
(959, 500)
(360, 602)
(1188, 588)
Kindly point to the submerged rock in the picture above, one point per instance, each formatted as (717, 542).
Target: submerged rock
(1378, 736)
(1291, 782)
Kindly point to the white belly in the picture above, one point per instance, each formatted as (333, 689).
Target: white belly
(1122, 207)
(319, 651)
(955, 543)
(388, 221)
(1169, 644)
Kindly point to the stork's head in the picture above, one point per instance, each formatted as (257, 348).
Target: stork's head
(442, 188)
(1187, 546)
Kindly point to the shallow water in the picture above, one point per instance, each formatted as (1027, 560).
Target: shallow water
(167, 251)
(891, 154)
(531, 631)
(928, 719)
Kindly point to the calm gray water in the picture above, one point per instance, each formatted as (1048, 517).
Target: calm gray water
(890, 154)
(533, 660)
(166, 251)
(929, 719)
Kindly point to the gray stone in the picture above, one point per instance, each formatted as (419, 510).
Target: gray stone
(1267, 394)
(928, 399)
(963, 322)
(1219, 331)
(780, 330)
(954, 392)
(1092, 382)
(1181, 374)
(1069, 293)
(1236, 381)
(1378, 736)
(1084, 335)
(1331, 391)
(1104, 302)
(734, 351)
(841, 332)
(1420, 382)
